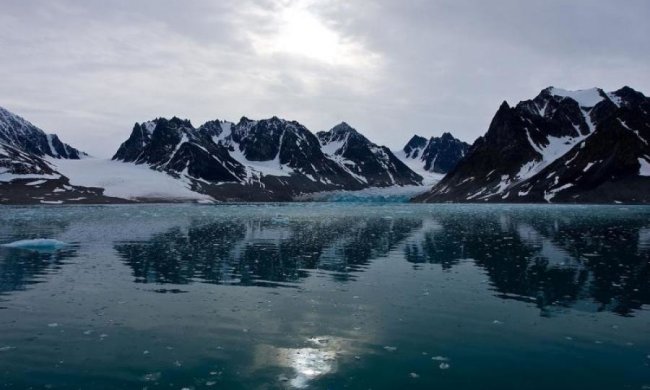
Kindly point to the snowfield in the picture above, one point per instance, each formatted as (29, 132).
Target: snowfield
(125, 180)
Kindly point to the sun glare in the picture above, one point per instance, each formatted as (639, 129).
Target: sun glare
(300, 33)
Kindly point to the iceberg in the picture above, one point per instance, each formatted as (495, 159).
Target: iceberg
(38, 244)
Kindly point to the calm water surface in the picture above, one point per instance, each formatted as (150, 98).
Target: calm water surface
(326, 296)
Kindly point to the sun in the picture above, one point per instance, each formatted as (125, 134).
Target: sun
(302, 34)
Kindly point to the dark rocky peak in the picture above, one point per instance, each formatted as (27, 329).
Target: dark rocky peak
(343, 137)
(213, 128)
(441, 154)
(447, 137)
(245, 123)
(154, 141)
(261, 140)
(504, 130)
(377, 164)
(173, 125)
(413, 148)
(343, 128)
(627, 97)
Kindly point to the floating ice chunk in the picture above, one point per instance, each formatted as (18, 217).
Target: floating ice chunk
(53, 325)
(390, 349)
(38, 244)
(152, 377)
(414, 375)
(440, 358)
(444, 366)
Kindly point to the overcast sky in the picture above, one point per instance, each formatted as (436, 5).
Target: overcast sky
(88, 70)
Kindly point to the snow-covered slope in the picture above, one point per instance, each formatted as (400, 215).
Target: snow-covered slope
(428, 178)
(562, 146)
(126, 181)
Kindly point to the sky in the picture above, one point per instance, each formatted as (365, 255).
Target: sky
(89, 69)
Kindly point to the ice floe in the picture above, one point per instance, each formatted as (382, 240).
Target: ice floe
(40, 244)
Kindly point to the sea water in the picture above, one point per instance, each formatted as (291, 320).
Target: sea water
(325, 296)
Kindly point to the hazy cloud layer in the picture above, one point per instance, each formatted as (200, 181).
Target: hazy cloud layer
(88, 70)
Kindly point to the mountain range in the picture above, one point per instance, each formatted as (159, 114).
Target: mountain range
(171, 160)
(586, 146)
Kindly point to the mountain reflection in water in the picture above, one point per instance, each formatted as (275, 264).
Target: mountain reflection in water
(547, 259)
(554, 259)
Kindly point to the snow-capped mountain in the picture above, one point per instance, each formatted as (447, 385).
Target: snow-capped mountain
(270, 159)
(434, 157)
(371, 165)
(562, 146)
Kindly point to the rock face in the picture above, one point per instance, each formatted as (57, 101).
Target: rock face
(585, 146)
(437, 155)
(270, 159)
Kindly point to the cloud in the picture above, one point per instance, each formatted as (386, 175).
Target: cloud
(89, 70)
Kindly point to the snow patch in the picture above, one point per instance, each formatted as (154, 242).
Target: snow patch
(549, 195)
(644, 169)
(584, 97)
